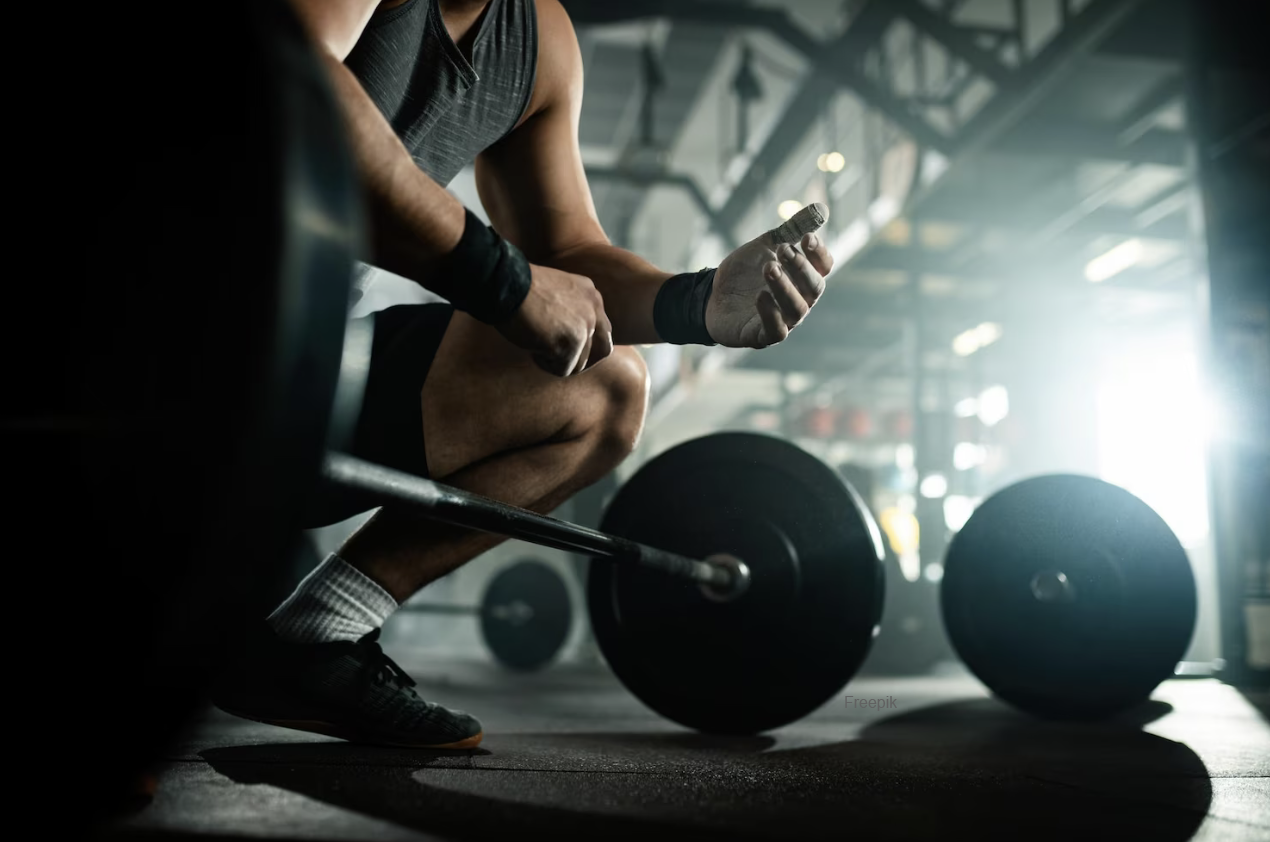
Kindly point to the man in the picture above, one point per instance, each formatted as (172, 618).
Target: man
(524, 387)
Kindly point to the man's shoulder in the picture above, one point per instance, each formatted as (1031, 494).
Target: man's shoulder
(554, 24)
(559, 76)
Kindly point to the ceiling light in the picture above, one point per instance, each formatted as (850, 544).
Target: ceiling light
(980, 336)
(788, 208)
(1114, 262)
(831, 162)
(994, 405)
(933, 486)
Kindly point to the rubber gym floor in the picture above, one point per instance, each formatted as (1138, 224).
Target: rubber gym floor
(569, 753)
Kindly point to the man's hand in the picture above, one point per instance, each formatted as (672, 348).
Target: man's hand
(561, 322)
(766, 287)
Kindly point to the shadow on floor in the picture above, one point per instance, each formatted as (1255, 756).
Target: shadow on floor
(964, 768)
(1259, 698)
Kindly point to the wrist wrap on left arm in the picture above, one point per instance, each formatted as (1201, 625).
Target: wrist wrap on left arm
(679, 313)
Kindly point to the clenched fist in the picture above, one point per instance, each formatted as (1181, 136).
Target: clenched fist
(561, 322)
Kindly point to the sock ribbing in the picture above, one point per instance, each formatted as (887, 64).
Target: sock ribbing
(334, 602)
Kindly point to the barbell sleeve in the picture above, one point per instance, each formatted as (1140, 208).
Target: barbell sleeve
(457, 507)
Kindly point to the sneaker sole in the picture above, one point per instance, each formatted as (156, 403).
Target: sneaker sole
(330, 729)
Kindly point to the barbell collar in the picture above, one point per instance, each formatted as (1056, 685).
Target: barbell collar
(457, 507)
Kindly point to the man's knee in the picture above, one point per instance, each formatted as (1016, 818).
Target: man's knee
(623, 379)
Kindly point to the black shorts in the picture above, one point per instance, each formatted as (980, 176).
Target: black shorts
(390, 427)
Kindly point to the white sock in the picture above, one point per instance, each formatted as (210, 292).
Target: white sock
(334, 602)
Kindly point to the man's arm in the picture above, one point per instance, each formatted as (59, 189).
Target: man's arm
(416, 225)
(534, 188)
(413, 220)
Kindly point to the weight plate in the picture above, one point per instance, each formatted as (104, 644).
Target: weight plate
(1068, 596)
(526, 615)
(794, 638)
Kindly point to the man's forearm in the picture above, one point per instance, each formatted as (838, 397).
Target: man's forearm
(628, 283)
(413, 220)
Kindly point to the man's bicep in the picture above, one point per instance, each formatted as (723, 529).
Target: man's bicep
(534, 188)
(532, 183)
(335, 24)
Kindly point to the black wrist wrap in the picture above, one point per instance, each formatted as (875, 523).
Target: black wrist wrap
(679, 313)
(484, 276)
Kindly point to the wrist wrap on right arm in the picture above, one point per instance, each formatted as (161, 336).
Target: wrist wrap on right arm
(484, 276)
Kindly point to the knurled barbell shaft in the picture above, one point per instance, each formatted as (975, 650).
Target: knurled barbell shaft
(455, 506)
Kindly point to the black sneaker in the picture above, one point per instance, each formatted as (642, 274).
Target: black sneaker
(348, 690)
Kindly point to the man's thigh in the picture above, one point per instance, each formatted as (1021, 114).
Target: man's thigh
(445, 391)
(485, 396)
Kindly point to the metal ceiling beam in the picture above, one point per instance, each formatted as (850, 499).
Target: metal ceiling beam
(1064, 139)
(838, 62)
(1142, 118)
(777, 22)
(833, 65)
(1038, 76)
(666, 179)
(1029, 84)
(956, 40)
(969, 211)
(1043, 274)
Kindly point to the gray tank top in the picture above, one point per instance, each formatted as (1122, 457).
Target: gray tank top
(444, 108)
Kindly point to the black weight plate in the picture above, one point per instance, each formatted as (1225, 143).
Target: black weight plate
(1089, 652)
(787, 645)
(526, 615)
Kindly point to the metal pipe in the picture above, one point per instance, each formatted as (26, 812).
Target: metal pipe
(472, 511)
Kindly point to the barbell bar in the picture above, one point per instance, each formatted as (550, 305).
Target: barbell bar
(722, 577)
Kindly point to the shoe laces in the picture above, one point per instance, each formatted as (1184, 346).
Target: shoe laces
(381, 669)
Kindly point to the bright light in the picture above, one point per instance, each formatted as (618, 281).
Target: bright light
(980, 336)
(788, 208)
(902, 533)
(1153, 426)
(933, 486)
(882, 211)
(797, 382)
(967, 455)
(965, 344)
(934, 571)
(957, 510)
(853, 238)
(831, 162)
(904, 456)
(994, 405)
(1114, 262)
(765, 419)
(966, 408)
(988, 332)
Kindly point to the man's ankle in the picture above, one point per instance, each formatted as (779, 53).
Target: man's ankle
(334, 602)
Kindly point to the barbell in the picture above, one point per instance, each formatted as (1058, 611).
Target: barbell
(744, 582)
(525, 614)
